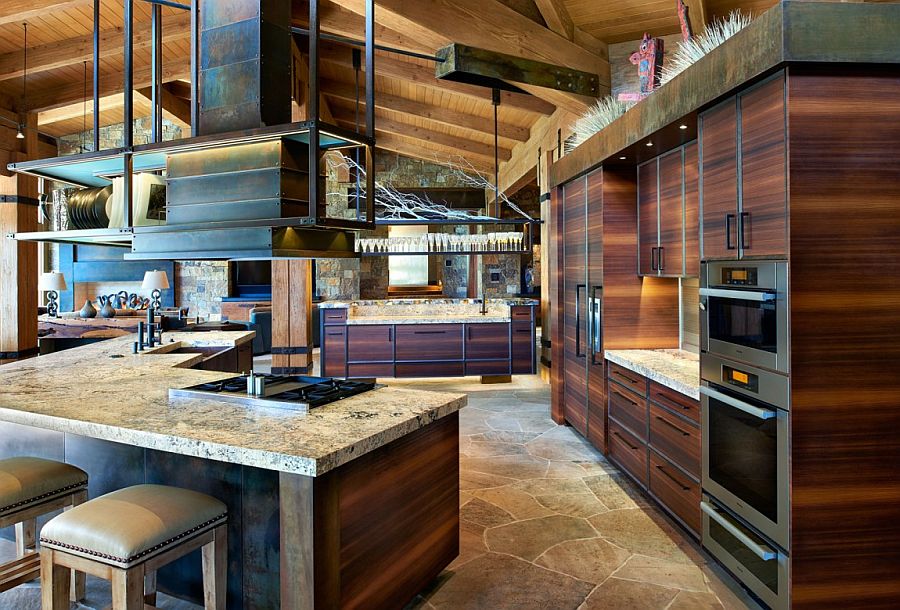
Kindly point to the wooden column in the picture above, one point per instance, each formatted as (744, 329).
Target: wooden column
(18, 260)
(291, 317)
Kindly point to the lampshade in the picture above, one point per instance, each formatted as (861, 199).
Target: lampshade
(52, 281)
(155, 280)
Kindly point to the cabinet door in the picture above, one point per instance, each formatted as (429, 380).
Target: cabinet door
(648, 218)
(596, 378)
(487, 341)
(718, 181)
(670, 257)
(429, 342)
(370, 343)
(573, 300)
(763, 214)
(334, 348)
(523, 348)
(691, 211)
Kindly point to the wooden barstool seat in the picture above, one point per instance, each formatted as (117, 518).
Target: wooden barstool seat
(31, 487)
(126, 535)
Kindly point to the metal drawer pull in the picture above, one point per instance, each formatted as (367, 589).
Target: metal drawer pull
(625, 377)
(738, 404)
(741, 295)
(625, 397)
(431, 332)
(761, 551)
(630, 446)
(669, 401)
(671, 425)
(673, 479)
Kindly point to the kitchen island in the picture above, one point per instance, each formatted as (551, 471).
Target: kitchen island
(429, 338)
(353, 504)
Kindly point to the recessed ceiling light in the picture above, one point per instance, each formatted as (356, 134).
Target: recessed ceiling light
(649, 143)
(682, 127)
(622, 158)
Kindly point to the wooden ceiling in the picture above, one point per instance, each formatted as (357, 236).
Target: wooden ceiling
(417, 115)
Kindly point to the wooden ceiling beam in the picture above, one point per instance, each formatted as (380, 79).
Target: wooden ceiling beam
(440, 155)
(76, 50)
(77, 110)
(545, 134)
(427, 112)
(174, 108)
(557, 17)
(20, 11)
(110, 84)
(696, 14)
(424, 76)
(464, 146)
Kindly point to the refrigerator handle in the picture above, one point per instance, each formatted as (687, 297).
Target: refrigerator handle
(578, 288)
(596, 331)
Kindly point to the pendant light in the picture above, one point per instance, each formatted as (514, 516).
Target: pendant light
(20, 134)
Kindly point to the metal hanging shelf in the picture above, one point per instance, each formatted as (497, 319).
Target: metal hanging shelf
(456, 221)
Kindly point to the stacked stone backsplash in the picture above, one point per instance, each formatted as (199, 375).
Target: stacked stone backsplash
(112, 136)
(200, 286)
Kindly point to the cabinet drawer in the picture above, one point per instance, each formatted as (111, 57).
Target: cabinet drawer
(522, 348)
(628, 378)
(487, 367)
(628, 452)
(521, 312)
(676, 401)
(370, 343)
(629, 409)
(488, 341)
(429, 369)
(426, 342)
(334, 316)
(675, 491)
(370, 369)
(675, 438)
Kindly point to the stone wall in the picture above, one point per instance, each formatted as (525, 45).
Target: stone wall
(112, 136)
(200, 285)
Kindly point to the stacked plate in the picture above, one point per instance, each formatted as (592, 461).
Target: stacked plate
(90, 208)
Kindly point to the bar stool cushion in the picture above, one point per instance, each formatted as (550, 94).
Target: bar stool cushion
(29, 480)
(129, 526)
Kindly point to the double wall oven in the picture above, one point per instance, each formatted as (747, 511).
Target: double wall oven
(745, 402)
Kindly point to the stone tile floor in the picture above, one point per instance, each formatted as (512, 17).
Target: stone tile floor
(546, 523)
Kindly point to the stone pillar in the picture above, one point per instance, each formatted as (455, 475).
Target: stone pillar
(18, 260)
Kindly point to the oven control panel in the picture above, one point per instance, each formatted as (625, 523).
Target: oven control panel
(740, 276)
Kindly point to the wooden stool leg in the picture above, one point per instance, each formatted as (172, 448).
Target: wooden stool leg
(150, 588)
(128, 589)
(54, 583)
(215, 570)
(25, 536)
(78, 578)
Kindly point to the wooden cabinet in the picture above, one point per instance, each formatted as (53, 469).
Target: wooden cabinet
(691, 210)
(487, 341)
(573, 300)
(523, 347)
(743, 174)
(665, 215)
(655, 437)
(370, 343)
(429, 342)
(334, 351)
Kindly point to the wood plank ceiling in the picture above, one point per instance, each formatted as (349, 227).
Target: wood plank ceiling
(417, 115)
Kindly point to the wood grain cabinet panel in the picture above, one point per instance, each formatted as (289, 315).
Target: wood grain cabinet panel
(676, 438)
(629, 452)
(487, 341)
(573, 299)
(370, 343)
(523, 347)
(334, 350)
(630, 379)
(763, 214)
(719, 181)
(629, 409)
(670, 258)
(691, 211)
(676, 491)
(334, 316)
(429, 342)
(675, 401)
(648, 218)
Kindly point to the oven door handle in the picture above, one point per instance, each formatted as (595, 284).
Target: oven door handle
(738, 404)
(743, 295)
(761, 551)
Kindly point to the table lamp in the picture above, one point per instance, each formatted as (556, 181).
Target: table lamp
(52, 283)
(155, 281)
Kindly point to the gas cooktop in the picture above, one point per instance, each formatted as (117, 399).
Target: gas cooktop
(294, 392)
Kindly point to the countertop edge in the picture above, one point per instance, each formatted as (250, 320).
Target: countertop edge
(656, 375)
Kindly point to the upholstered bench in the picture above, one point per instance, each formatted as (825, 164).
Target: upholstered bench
(31, 487)
(126, 535)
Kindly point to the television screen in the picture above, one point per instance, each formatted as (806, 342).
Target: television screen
(253, 278)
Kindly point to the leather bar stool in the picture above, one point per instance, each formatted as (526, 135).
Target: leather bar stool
(127, 535)
(29, 488)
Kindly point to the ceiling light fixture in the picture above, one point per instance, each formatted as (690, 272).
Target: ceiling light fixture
(19, 134)
(682, 126)
(649, 143)
(622, 158)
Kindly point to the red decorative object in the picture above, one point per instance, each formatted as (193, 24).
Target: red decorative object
(685, 20)
(648, 58)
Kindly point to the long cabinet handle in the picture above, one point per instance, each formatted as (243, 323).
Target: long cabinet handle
(390, 333)
(615, 391)
(662, 258)
(596, 313)
(760, 550)
(673, 479)
(578, 289)
(742, 236)
(739, 295)
(630, 446)
(738, 404)
(671, 425)
(654, 265)
(665, 400)
(436, 332)
(728, 219)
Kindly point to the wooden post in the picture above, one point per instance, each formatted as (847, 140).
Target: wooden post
(291, 317)
(19, 260)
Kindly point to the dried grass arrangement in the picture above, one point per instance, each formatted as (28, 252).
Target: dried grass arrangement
(602, 113)
(689, 52)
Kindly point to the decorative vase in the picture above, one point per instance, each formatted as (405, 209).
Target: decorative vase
(107, 311)
(88, 311)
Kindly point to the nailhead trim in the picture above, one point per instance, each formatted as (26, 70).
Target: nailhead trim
(144, 553)
(43, 496)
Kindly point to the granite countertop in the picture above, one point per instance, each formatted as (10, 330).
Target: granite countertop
(442, 301)
(673, 368)
(104, 391)
(427, 311)
(442, 319)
